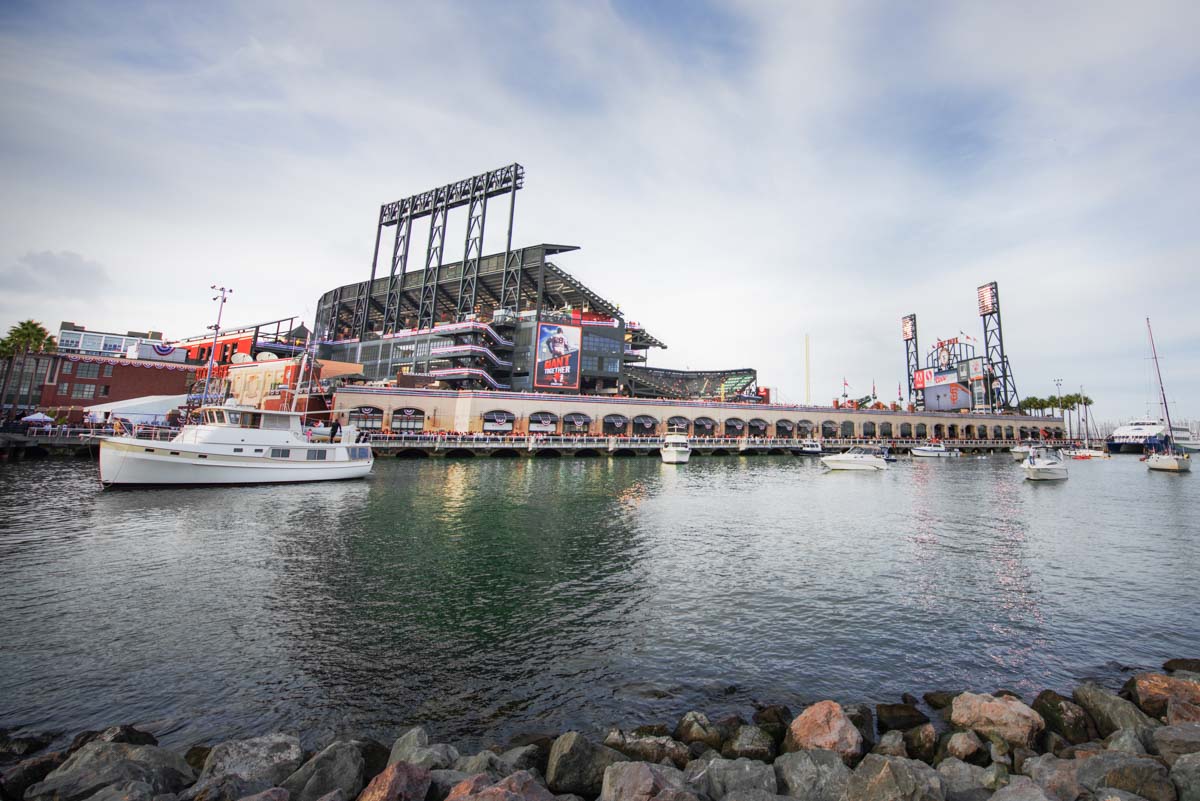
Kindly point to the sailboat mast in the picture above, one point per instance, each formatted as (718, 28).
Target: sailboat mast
(1162, 392)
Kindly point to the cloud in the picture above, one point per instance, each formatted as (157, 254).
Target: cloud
(50, 273)
(737, 174)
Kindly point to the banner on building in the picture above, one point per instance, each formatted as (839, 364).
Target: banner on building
(557, 363)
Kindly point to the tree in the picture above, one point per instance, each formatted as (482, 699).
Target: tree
(24, 338)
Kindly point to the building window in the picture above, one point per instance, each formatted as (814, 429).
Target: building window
(66, 368)
(104, 390)
(63, 388)
(108, 371)
(612, 365)
(590, 363)
(83, 391)
(88, 370)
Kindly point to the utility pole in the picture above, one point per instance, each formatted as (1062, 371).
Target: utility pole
(221, 295)
(1058, 398)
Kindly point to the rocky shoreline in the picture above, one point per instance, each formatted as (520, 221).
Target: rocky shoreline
(1096, 745)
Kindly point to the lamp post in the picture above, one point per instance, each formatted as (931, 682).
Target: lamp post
(1058, 397)
(221, 295)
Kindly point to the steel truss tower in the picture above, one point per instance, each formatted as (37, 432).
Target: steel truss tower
(436, 204)
(1004, 388)
(908, 330)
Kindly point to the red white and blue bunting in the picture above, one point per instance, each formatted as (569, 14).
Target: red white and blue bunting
(133, 363)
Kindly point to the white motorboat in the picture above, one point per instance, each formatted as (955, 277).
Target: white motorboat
(233, 445)
(810, 447)
(857, 458)
(1084, 450)
(1044, 464)
(676, 449)
(1020, 452)
(1165, 457)
(934, 449)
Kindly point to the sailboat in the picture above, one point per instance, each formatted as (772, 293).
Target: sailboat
(1165, 458)
(1086, 451)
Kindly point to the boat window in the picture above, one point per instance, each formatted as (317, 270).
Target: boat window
(235, 417)
(218, 417)
(316, 456)
(276, 422)
(281, 453)
(251, 420)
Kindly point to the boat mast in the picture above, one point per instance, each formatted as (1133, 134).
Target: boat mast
(300, 374)
(1162, 392)
(222, 294)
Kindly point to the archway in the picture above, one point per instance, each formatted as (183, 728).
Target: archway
(829, 429)
(885, 430)
(543, 423)
(498, 421)
(939, 431)
(757, 427)
(969, 432)
(784, 429)
(952, 431)
(366, 418)
(906, 430)
(997, 432)
(679, 425)
(734, 427)
(576, 423)
(408, 421)
(922, 431)
(868, 429)
(847, 429)
(805, 428)
(1008, 432)
(644, 426)
(459, 453)
(615, 424)
(704, 426)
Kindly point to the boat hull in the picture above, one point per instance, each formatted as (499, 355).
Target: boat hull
(932, 453)
(1056, 473)
(849, 463)
(675, 456)
(1165, 463)
(131, 464)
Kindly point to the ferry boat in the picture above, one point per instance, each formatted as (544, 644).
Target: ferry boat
(676, 449)
(233, 445)
(857, 458)
(1134, 437)
(934, 449)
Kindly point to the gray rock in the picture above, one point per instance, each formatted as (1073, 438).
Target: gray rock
(962, 782)
(1189, 665)
(815, 775)
(255, 763)
(1057, 777)
(484, 762)
(1021, 789)
(891, 744)
(633, 781)
(222, 788)
(99, 765)
(280, 794)
(921, 742)
(13, 749)
(967, 746)
(573, 797)
(113, 734)
(648, 748)
(752, 795)
(939, 699)
(29, 772)
(864, 720)
(1113, 794)
(1126, 740)
(720, 777)
(525, 757)
(133, 791)
(774, 720)
(750, 742)
(665, 795)
(374, 753)
(1172, 742)
(1185, 775)
(1065, 717)
(1141, 775)
(695, 727)
(889, 778)
(340, 766)
(899, 716)
(1110, 712)
(995, 776)
(414, 748)
(442, 782)
(577, 765)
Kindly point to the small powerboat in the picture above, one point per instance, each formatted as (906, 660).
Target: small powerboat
(934, 449)
(857, 458)
(810, 447)
(1044, 464)
(1020, 453)
(676, 449)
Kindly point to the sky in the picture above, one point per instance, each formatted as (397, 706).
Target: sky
(737, 175)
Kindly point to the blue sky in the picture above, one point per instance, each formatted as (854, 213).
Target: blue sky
(737, 174)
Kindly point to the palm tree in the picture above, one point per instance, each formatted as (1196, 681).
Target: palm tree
(24, 338)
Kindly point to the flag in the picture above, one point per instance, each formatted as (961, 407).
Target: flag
(899, 392)
(873, 388)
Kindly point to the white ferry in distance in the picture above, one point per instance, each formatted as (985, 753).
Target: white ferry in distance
(1134, 436)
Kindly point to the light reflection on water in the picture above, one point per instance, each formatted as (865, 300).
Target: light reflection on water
(485, 597)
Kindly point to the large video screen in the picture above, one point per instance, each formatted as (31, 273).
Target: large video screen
(947, 396)
(557, 363)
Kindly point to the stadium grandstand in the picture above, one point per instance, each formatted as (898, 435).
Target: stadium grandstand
(725, 385)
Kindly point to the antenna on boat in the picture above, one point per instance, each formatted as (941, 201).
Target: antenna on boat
(222, 293)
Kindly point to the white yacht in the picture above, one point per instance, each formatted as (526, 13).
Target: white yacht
(233, 445)
(1020, 452)
(1164, 455)
(1044, 464)
(676, 449)
(935, 450)
(810, 447)
(857, 458)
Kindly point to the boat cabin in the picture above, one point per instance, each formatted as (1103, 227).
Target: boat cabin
(234, 417)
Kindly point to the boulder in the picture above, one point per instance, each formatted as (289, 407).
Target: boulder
(648, 748)
(1057, 777)
(774, 720)
(962, 782)
(1185, 775)
(720, 777)
(653, 730)
(258, 763)
(1113, 794)
(864, 720)
(815, 775)
(132, 791)
(1182, 712)
(196, 756)
(1190, 665)
(399, 781)
(694, 727)
(750, 742)
(577, 765)
(1110, 712)
(414, 748)
(15, 749)
(469, 786)
(520, 786)
(526, 757)
(921, 743)
(374, 753)
(891, 744)
(752, 795)
(1004, 716)
(665, 795)
(1021, 789)
(486, 762)
(98, 765)
(113, 734)
(1151, 691)
(939, 699)
(825, 725)
(280, 794)
(638, 781)
(1065, 717)
(1053, 743)
(339, 766)
(222, 788)
(1172, 742)
(889, 778)
(966, 746)
(995, 776)
(1137, 774)
(441, 782)
(899, 716)
(1126, 740)
(29, 772)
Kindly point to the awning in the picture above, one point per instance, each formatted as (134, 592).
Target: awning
(576, 419)
(645, 421)
(758, 423)
(615, 419)
(408, 413)
(737, 424)
(499, 417)
(678, 421)
(786, 425)
(705, 422)
(543, 418)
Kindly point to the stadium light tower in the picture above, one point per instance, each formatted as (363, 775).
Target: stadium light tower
(908, 330)
(993, 345)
